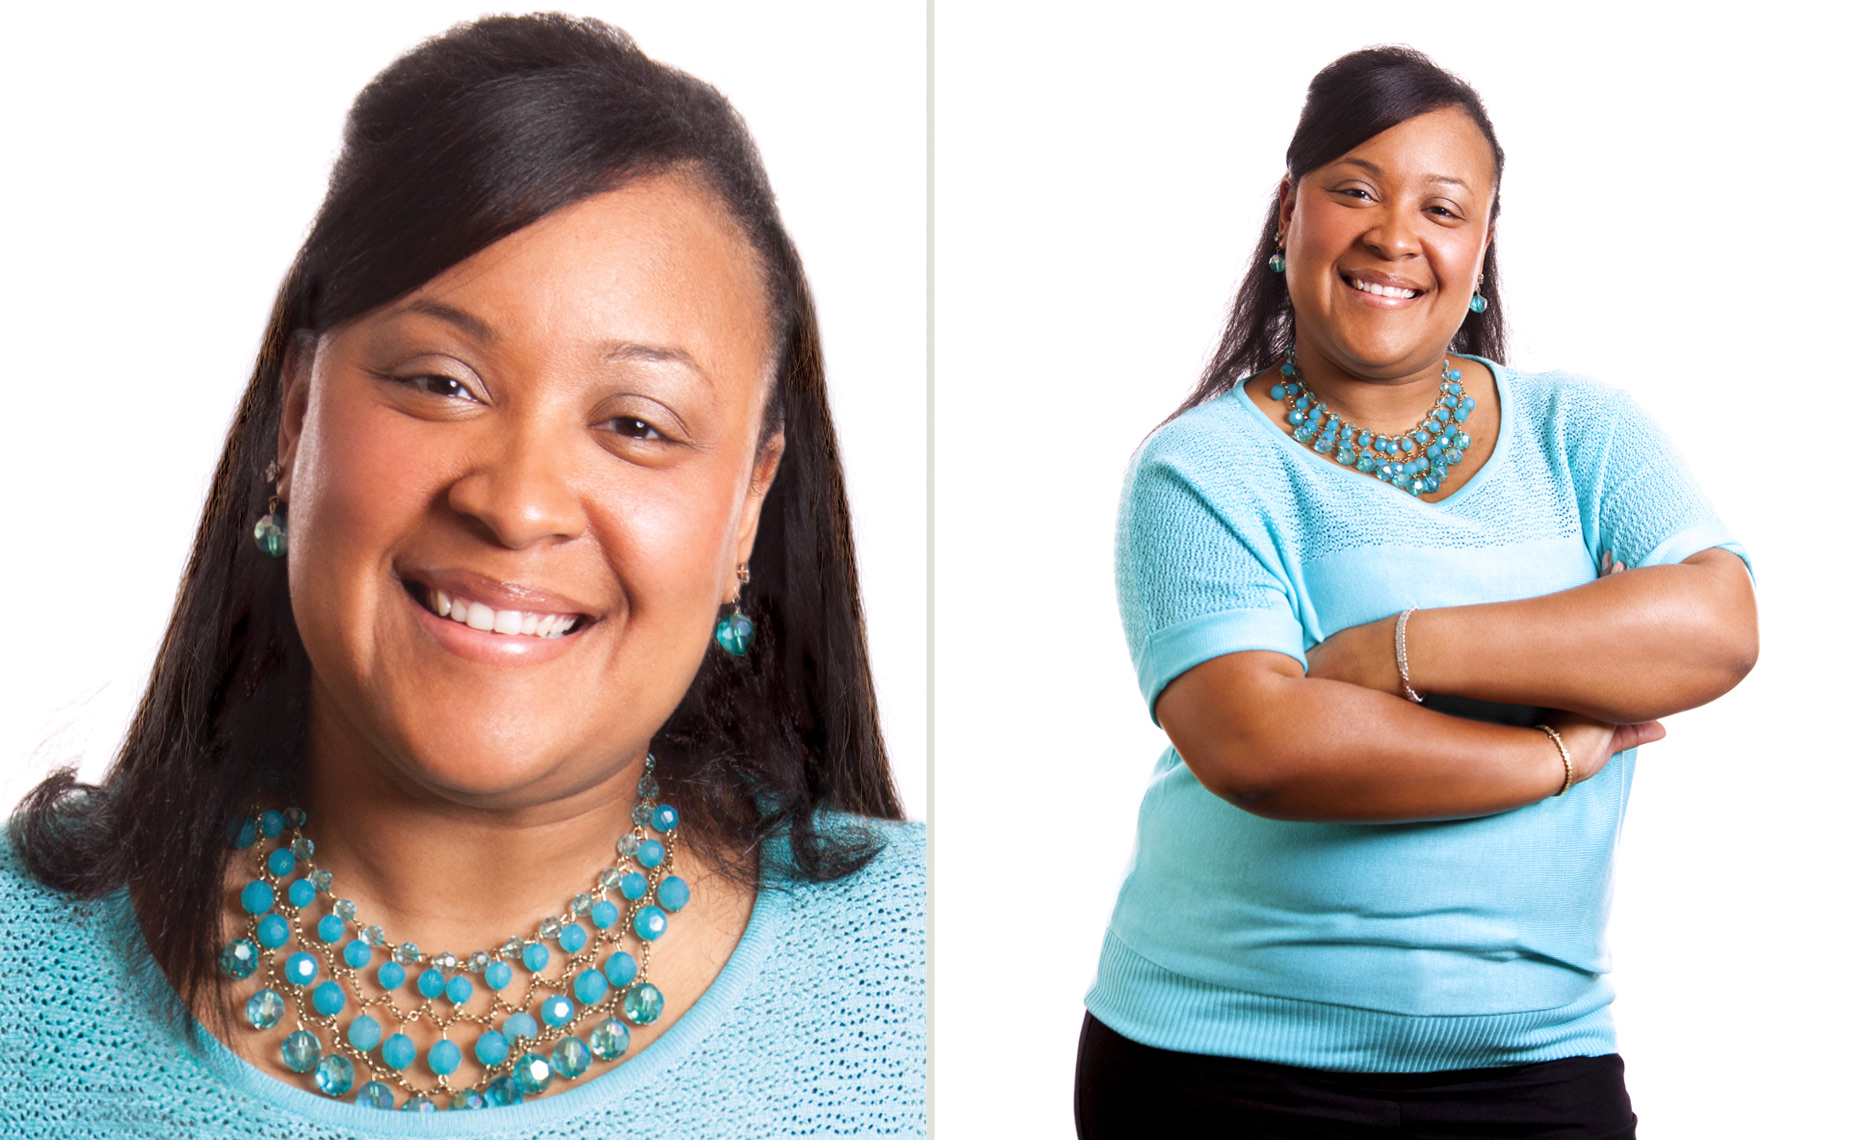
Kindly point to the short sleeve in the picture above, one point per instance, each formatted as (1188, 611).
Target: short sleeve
(1639, 502)
(1197, 574)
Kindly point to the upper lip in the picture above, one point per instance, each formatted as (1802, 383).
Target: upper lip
(1386, 280)
(497, 593)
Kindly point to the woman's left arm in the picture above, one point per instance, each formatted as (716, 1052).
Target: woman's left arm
(1628, 647)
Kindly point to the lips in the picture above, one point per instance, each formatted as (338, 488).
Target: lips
(1382, 285)
(491, 606)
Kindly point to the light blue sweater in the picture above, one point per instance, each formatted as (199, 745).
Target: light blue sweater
(1392, 947)
(815, 1025)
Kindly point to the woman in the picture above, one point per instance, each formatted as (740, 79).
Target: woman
(523, 626)
(1368, 579)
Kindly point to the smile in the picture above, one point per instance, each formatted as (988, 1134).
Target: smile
(480, 616)
(1381, 290)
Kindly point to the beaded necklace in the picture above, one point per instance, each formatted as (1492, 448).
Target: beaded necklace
(1417, 461)
(518, 1052)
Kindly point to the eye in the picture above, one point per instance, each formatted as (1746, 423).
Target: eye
(437, 385)
(632, 427)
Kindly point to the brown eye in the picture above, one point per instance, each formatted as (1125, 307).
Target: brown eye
(438, 386)
(633, 427)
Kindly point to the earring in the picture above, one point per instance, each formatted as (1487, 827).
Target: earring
(1276, 262)
(736, 633)
(269, 533)
(1477, 304)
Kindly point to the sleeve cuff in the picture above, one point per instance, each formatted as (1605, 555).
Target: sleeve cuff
(1174, 650)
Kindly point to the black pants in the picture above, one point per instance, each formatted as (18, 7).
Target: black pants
(1129, 1090)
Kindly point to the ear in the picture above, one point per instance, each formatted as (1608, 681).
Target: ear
(768, 461)
(299, 360)
(1288, 194)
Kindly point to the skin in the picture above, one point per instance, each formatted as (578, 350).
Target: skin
(1339, 741)
(569, 421)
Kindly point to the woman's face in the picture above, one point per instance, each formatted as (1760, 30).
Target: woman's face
(1409, 213)
(557, 439)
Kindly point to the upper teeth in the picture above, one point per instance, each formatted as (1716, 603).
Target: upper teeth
(1383, 290)
(480, 616)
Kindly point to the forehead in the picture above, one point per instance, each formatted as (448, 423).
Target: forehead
(1443, 145)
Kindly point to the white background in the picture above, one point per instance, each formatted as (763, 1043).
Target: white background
(1678, 221)
(164, 163)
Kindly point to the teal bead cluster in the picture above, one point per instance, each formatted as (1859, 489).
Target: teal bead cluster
(315, 970)
(735, 633)
(1418, 461)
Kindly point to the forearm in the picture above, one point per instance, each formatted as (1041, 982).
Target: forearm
(1624, 648)
(1290, 747)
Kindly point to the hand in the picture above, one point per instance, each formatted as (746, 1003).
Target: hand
(1592, 743)
(1363, 655)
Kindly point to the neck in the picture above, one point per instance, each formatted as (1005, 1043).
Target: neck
(453, 872)
(1383, 404)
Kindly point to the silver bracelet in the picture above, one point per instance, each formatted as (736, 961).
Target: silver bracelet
(1401, 653)
(1569, 770)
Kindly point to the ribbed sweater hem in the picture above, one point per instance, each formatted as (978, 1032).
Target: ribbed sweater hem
(1164, 1010)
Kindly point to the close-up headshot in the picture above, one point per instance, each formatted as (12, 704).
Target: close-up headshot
(514, 744)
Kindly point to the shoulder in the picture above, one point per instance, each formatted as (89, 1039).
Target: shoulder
(887, 897)
(1570, 402)
(1206, 438)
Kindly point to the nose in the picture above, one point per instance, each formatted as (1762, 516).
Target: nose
(1391, 235)
(521, 493)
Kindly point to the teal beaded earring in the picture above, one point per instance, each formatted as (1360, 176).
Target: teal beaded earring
(1276, 262)
(736, 633)
(1477, 304)
(269, 533)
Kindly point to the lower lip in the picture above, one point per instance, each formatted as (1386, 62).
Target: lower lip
(489, 648)
(1376, 302)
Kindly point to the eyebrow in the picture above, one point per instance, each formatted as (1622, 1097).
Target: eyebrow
(1377, 171)
(472, 326)
(654, 354)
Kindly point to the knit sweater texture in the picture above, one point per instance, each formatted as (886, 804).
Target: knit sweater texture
(1374, 947)
(816, 1025)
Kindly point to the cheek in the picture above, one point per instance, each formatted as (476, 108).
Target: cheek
(668, 539)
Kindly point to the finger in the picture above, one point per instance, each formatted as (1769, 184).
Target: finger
(1645, 733)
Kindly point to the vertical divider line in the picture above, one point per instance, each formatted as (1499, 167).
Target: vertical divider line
(930, 812)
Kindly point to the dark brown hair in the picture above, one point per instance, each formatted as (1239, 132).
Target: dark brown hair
(1352, 100)
(463, 141)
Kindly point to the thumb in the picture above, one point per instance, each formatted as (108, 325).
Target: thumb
(1634, 735)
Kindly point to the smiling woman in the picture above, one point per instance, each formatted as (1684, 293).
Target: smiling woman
(515, 718)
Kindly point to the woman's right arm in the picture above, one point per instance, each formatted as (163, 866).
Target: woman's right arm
(1257, 732)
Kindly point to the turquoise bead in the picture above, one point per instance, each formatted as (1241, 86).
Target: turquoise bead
(321, 878)
(469, 1098)
(1477, 304)
(674, 893)
(620, 968)
(281, 862)
(1462, 441)
(265, 1008)
(1450, 401)
(1322, 446)
(300, 969)
(335, 1074)
(392, 975)
(329, 928)
(271, 823)
(557, 1011)
(649, 923)
(239, 959)
(1454, 455)
(735, 633)
(491, 1048)
(651, 854)
(1407, 444)
(271, 537)
(590, 987)
(244, 833)
(664, 818)
(1469, 403)
(458, 989)
(1434, 451)
(1366, 464)
(1453, 374)
(503, 1092)
(1455, 389)
(644, 1003)
(1276, 263)
(497, 975)
(604, 914)
(1295, 417)
(257, 897)
(301, 892)
(443, 1058)
(374, 1094)
(519, 1024)
(364, 1033)
(357, 954)
(1303, 402)
(302, 847)
(328, 999)
(535, 956)
(532, 1073)
(407, 954)
(419, 1104)
(570, 1058)
(633, 886)
(397, 1052)
(1344, 456)
(573, 937)
(432, 983)
(610, 1039)
(1460, 413)
(301, 1051)
(295, 817)
(1277, 392)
